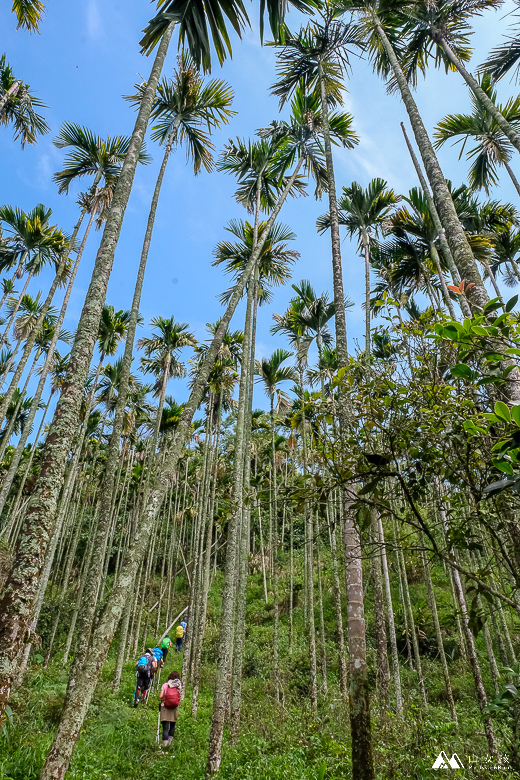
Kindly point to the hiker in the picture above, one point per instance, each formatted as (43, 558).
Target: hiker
(165, 646)
(179, 634)
(184, 626)
(170, 698)
(145, 671)
(158, 655)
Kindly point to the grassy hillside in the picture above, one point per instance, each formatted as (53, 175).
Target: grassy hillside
(276, 742)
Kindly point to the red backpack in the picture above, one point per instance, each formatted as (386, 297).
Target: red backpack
(172, 697)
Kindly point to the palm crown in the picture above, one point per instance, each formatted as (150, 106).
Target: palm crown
(204, 21)
(492, 148)
(91, 155)
(17, 106)
(274, 261)
(186, 108)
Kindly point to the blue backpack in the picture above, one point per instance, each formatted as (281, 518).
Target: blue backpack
(144, 664)
(157, 653)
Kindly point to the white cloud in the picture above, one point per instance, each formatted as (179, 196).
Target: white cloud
(95, 28)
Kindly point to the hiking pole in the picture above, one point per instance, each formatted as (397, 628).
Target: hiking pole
(158, 724)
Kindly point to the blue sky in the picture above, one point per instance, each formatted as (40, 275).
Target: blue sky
(87, 56)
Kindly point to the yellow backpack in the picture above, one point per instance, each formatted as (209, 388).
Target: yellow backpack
(180, 632)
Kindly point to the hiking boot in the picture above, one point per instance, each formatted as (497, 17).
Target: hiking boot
(170, 740)
(165, 742)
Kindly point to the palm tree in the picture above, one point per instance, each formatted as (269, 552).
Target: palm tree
(161, 349)
(35, 243)
(317, 57)
(182, 108)
(405, 265)
(440, 32)
(29, 13)
(313, 317)
(112, 328)
(29, 310)
(418, 223)
(363, 212)
(17, 106)
(89, 154)
(492, 147)
(293, 325)
(506, 244)
(273, 262)
(45, 342)
(298, 145)
(185, 110)
(271, 373)
(504, 57)
(193, 21)
(386, 62)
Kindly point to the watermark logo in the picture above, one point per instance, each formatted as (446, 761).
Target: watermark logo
(443, 762)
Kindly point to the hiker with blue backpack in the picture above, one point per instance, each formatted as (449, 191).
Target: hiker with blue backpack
(159, 663)
(146, 667)
(170, 698)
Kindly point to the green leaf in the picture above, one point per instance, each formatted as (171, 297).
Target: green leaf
(479, 330)
(502, 411)
(369, 487)
(503, 465)
(515, 414)
(462, 371)
(493, 304)
(512, 303)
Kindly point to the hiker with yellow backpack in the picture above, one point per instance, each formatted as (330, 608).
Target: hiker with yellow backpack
(179, 636)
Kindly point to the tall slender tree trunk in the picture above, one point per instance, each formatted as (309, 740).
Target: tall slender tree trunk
(362, 757)
(342, 665)
(79, 696)
(323, 641)
(366, 253)
(337, 272)
(441, 233)
(438, 634)
(391, 622)
(360, 725)
(470, 643)
(383, 669)
(479, 93)
(9, 477)
(512, 176)
(17, 602)
(455, 234)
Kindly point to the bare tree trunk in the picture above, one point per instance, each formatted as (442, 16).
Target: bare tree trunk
(391, 621)
(383, 669)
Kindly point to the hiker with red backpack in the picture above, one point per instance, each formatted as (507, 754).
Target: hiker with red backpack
(170, 697)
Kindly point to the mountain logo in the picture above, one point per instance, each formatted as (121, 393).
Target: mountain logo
(443, 762)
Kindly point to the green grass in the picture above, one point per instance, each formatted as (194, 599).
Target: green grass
(277, 741)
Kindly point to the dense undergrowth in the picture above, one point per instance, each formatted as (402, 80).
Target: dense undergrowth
(277, 741)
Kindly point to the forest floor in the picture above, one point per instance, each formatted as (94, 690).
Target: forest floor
(277, 742)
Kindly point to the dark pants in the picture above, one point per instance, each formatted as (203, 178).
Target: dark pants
(168, 729)
(178, 643)
(164, 653)
(143, 681)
